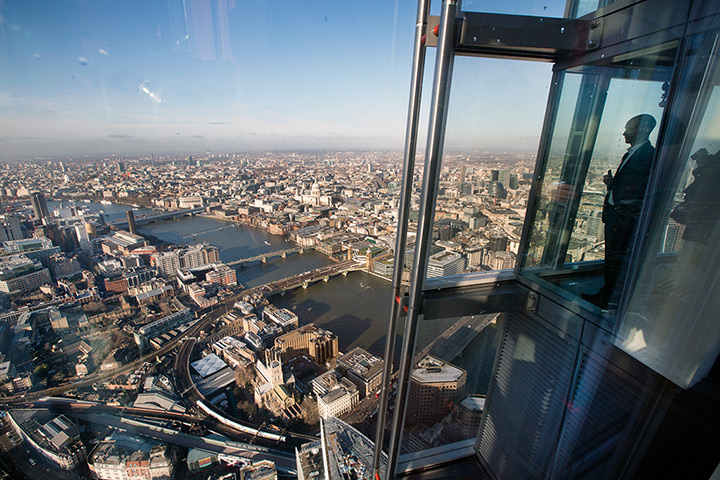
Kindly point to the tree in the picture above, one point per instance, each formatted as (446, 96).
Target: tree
(246, 407)
(310, 413)
(243, 376)
(41, 370)
(94, 307)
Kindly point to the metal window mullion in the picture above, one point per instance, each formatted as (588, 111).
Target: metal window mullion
(431, 177)
(553, 103)
(418, 70)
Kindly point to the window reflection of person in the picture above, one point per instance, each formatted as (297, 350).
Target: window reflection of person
(623, 202)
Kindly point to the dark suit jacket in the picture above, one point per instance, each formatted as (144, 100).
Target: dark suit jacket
(628, 186)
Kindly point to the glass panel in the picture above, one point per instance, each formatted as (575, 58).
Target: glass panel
(493, 129)
(672, 324)
(583, 7)
(553, 8)
(280, 126)
(593, 183)
(450, 380)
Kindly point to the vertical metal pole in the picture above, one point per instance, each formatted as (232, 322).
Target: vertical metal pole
(431, 178)
(411, 133)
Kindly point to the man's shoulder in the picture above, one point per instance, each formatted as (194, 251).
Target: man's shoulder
(646, 149)
(643, 155)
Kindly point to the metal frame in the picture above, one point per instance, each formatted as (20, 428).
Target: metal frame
(418, 70)
(431, 177)
(607, 31)
(521, 36)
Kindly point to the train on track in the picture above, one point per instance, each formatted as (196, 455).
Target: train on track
(237, 426)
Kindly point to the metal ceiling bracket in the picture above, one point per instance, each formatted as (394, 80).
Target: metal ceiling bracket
(520, 36)
(594, 34)
(464, 301)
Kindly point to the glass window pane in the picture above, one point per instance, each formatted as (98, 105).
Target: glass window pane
(450, 380)
(554, 8)
(672, 324)
(493, 129)
(594, 180)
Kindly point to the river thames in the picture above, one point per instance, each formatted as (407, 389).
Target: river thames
(355, 307)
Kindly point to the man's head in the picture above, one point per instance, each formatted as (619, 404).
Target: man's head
(638, 128)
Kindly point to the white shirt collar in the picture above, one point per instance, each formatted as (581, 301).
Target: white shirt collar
(634, 148)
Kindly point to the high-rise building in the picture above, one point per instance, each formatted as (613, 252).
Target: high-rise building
(199, 255)
(10, 228)
(83, 238)
(131, 222)
(435, 386)
(167, 263)
(39, 205)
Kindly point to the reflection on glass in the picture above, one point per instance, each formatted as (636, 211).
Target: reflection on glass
(450, 380)
(594, 180)
(671, 325)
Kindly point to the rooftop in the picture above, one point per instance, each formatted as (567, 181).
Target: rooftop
(432, 370)
(208, 365)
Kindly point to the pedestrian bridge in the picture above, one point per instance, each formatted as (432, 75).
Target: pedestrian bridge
(264, 257)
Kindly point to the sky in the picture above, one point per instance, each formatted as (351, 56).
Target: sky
(102, 77)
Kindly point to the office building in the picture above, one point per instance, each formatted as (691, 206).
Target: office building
(287, 320)
(10, 228)
(19, 274)
(83, 238)
(63, 267)
(56, 438)
(39, 205)
(318, 344)
(363, 369)
(435, 386)
(445, 263)
(339, 400)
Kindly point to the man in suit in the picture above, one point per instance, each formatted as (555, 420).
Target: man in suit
(623, 202)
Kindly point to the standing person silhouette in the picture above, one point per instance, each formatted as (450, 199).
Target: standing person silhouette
(623, 202)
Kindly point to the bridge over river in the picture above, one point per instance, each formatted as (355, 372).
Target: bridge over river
(264, 257)
(305, 279)
(145, 219)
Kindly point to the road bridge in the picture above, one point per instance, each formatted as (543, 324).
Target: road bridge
(206, 317)
(145, 219)
(306, 279)
(457, 337)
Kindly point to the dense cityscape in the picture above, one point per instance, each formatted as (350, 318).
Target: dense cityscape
(125, 355)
